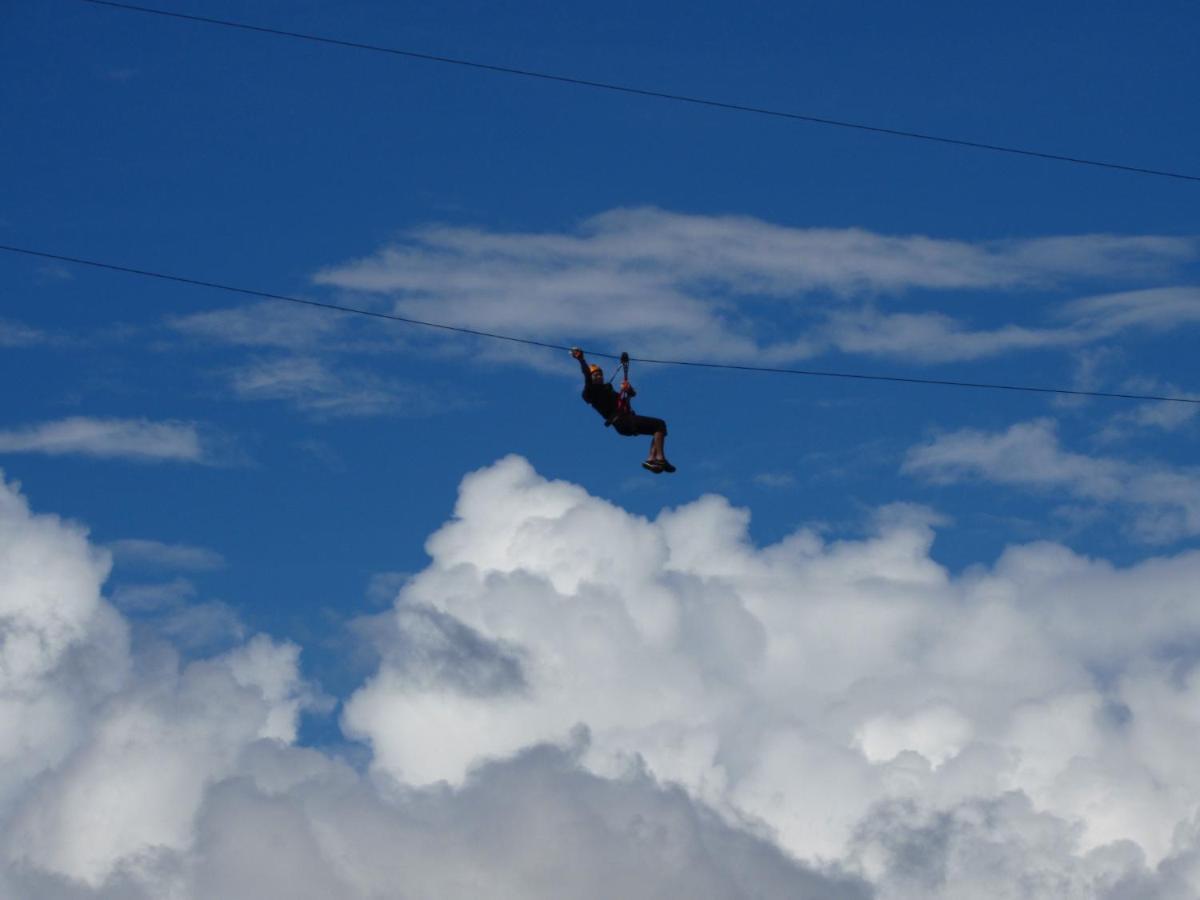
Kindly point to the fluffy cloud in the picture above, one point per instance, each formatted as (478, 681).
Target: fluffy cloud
(139, 440)
(574, 701)
(63, 650)
(735, 288)
(1166, 500)
(137, 781)
(820, 689)
(105, 756)
(125, 774)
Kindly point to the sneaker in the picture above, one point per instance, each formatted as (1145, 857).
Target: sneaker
(665, 466)
(652, 465)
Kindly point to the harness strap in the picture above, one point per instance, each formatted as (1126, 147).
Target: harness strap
(623, 407)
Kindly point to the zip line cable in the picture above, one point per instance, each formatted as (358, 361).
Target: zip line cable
(858, 376)
(197, 282)
(646, 92)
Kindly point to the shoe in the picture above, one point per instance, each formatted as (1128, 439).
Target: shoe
(665, 466)
(652, 465)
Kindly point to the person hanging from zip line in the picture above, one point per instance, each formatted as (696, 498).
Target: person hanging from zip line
(614, 408)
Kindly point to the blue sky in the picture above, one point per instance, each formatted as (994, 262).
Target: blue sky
(283, 468)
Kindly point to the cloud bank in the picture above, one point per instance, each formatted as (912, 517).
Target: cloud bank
(126, 772)
(732, 289)
(856, 699)
(575, 701)
(735, 288)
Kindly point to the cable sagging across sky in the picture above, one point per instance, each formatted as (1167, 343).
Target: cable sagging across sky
(770, 370)
(649, 92)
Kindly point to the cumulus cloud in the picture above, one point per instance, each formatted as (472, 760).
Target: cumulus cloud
(572, 700)
(814, 687)
(105, 757)
(62, 648)
(148, 758)
(125, 773)
(1165, 500)
(737, 288)
(139, 440)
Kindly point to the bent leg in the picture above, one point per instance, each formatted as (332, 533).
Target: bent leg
(657, 429)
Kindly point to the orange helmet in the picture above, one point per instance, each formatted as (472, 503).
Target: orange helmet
(593, 369)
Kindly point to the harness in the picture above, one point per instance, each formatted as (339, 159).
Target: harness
(624, 408)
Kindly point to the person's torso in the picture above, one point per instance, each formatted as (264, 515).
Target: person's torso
(602, 398)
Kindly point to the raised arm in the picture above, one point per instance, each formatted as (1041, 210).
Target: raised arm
(583, 366)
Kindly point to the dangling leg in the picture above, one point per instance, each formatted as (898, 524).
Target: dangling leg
(661, 439)
(651, 462)
(656, 462)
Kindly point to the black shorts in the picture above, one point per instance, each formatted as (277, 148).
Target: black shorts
(632, 426)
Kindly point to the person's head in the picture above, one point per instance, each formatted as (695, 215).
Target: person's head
(596, 374)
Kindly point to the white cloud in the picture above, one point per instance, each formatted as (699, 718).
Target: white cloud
(576, 701)
(169, 610)
(749, 256)
(154, 595)
(1155, 308)
(326, 389)
(164, 780)
(265, 324)
(937, 338)
(718, 285)
(14, 334)
(139, 440)
(63, 649)
(805, 683)
(1165, 500)
(148, 759)
(1162, 416)
(775, 480)
(316, 367)
(1000, 849)
(150, 554)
